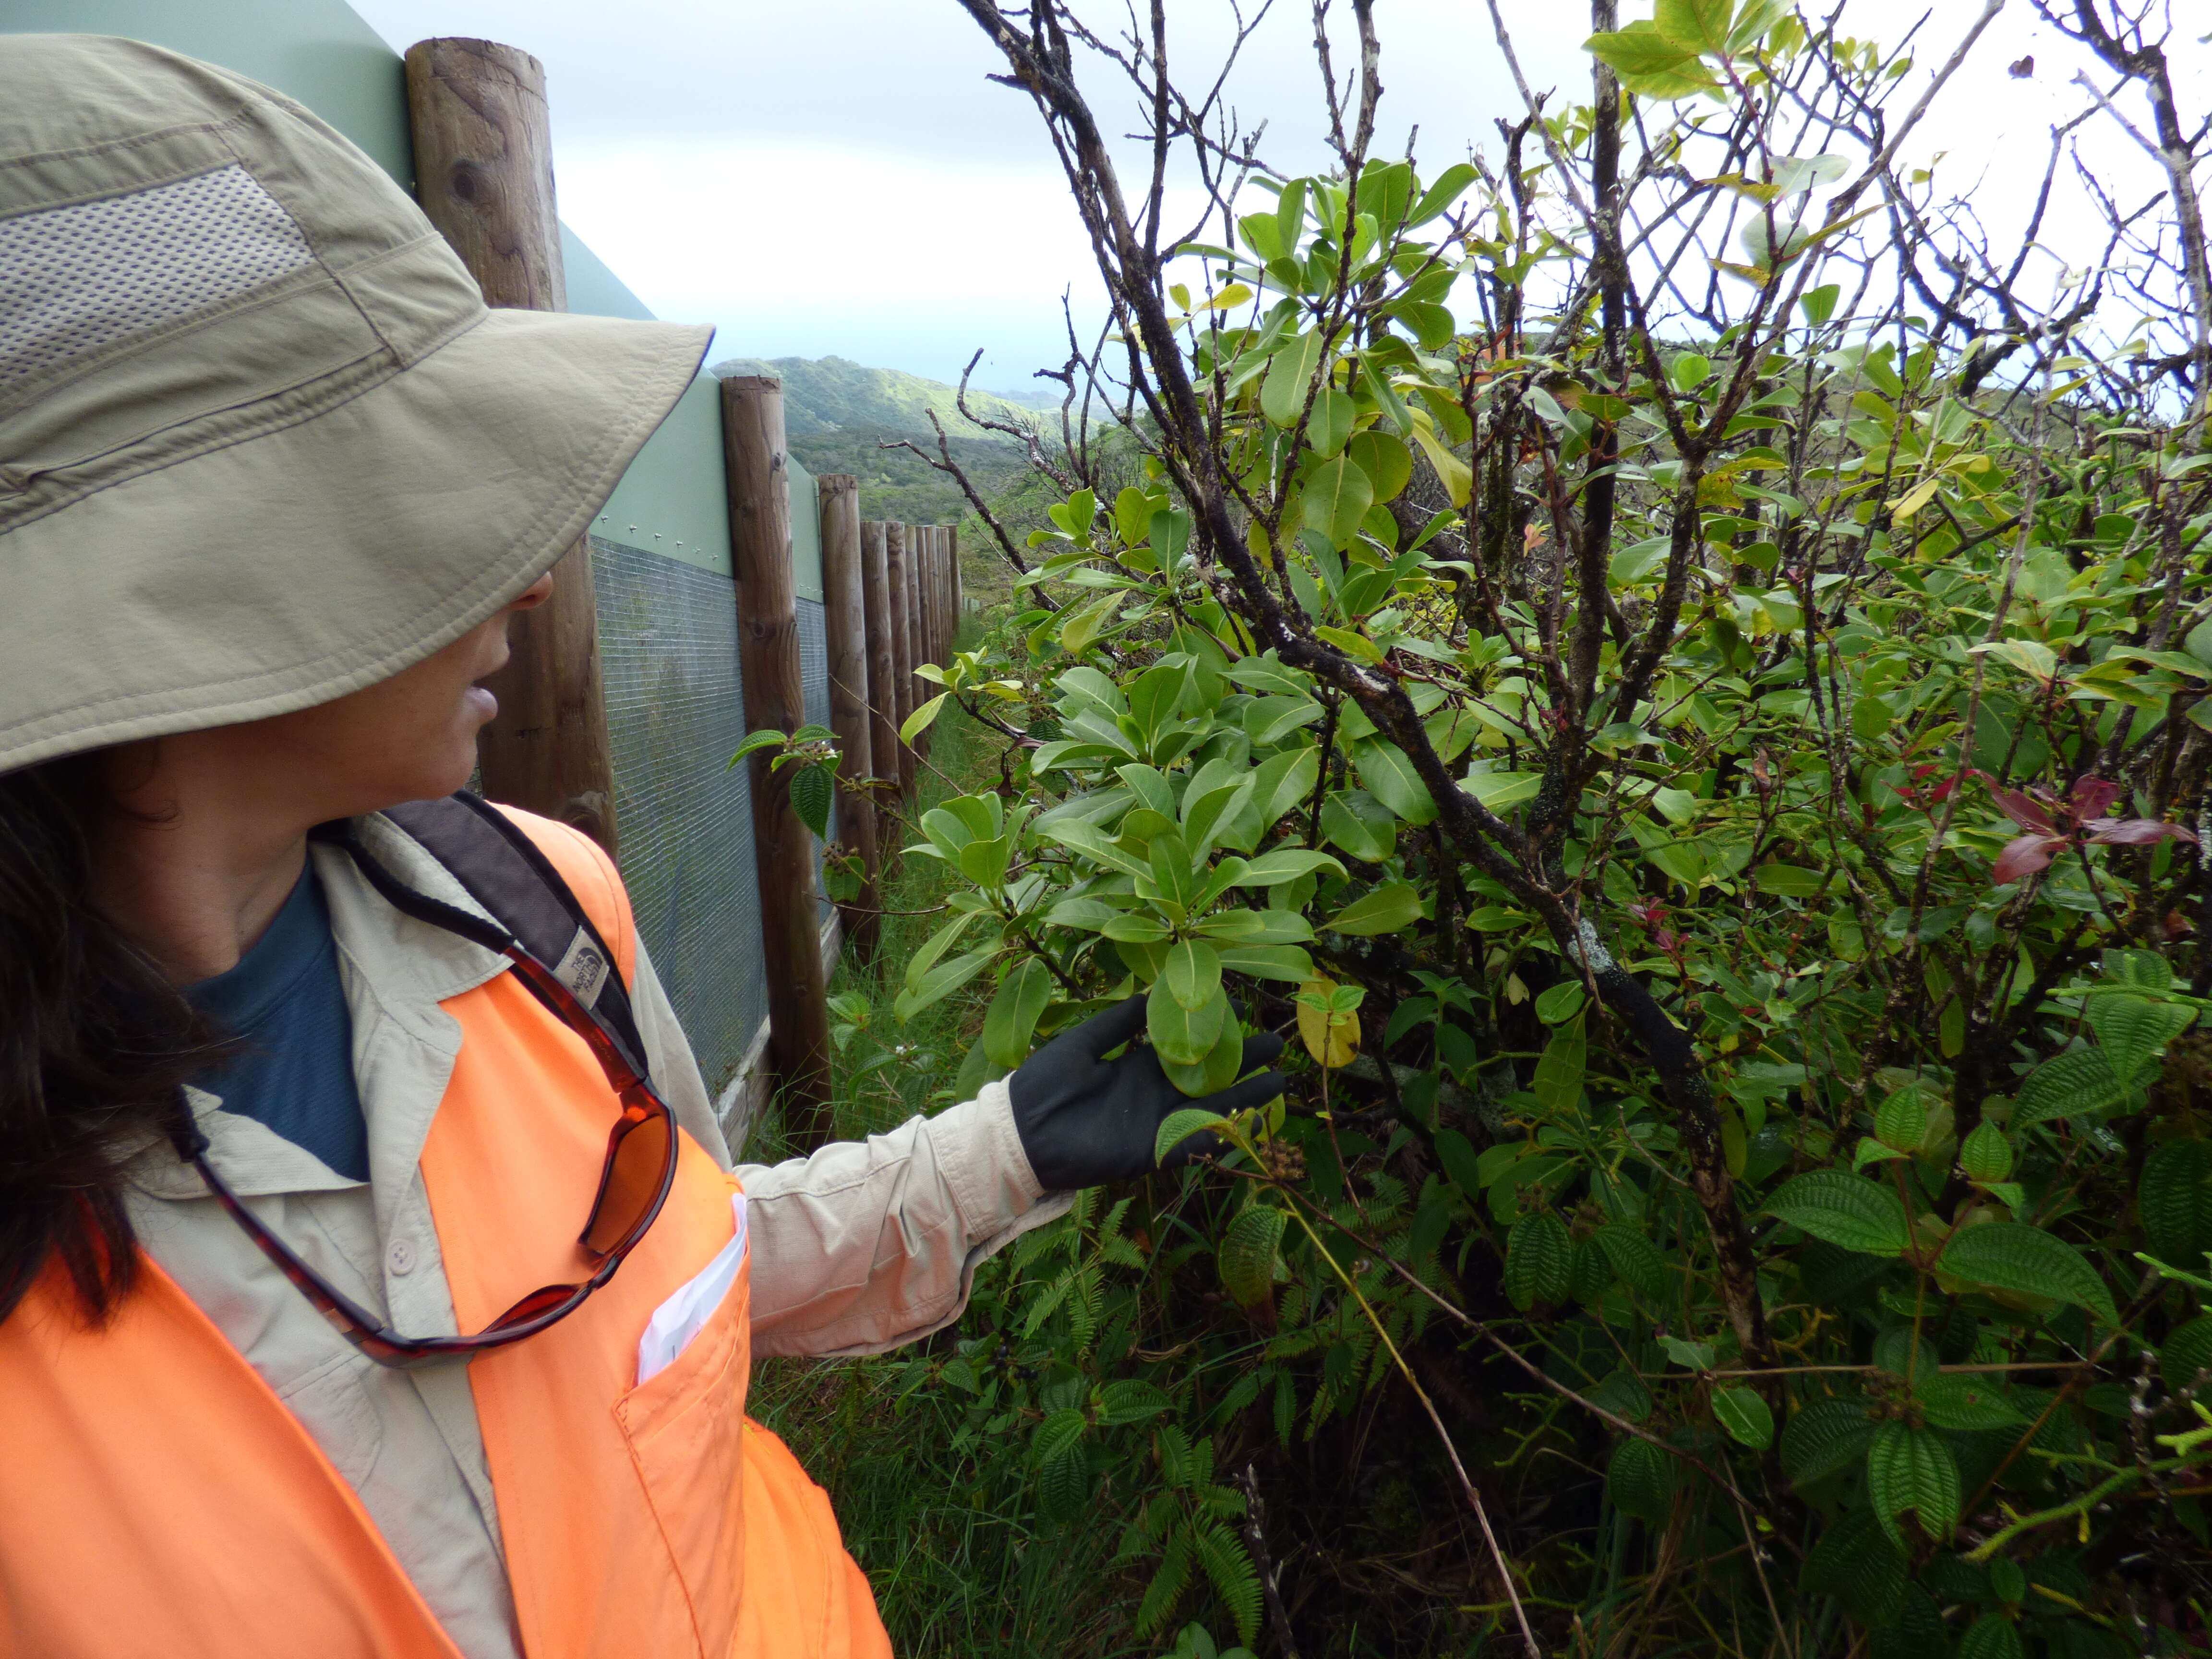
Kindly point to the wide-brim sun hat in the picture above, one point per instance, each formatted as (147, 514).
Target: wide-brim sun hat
(261, 441)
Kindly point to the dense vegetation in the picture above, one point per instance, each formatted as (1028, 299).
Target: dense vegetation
(1680, 674)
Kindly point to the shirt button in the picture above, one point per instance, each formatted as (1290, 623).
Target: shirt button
(400, 1258)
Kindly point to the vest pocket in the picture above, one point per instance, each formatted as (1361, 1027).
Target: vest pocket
(685, 1426)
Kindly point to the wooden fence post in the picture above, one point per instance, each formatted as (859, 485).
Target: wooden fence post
(900, 697)
(883, 733)
(959, 591)
(845, 618)
(483, 168)
(756, 465)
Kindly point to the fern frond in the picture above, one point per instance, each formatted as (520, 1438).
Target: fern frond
(1230, 1570)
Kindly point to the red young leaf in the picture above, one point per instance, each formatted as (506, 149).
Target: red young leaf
(2028, 813)
(2133, 832)
(2025, 856)
(2091, 796)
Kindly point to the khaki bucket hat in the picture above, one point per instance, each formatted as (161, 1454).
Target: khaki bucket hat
(261, 441)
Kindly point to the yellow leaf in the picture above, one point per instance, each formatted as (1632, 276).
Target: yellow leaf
(1457, 476)
(1332, 1039)
(1918, 498)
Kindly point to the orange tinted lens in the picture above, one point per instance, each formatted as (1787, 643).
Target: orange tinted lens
(632, 1184)
(535, 1304)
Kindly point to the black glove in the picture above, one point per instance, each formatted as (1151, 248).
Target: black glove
(1084, 1121)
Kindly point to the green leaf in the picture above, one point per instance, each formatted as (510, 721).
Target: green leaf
(1385, 460)
(1247, 1254)
(1330, 423)
(1130, 1399)
(1289, 376)
(1901, 1119)
(1845, 1211)
(2132, 1030)
(1287, 864)
(941, 982)
(1561, 1002)
(1012, 1019)
(762, 739)
(1695, 26)
(1500, 790)
(1966, 1403)
(1389, 776)
(1558, 1080)
(2011, 1255)
(1993, 1636)
(813, 789)
(1538, 1256)
(1648, 64)
(2174, 1200)
(2079, 1083)
(1057, 1435)
(1355, 821)
(1748, 1418)
(2185, 1353)
(1180, 1127)
(1448, 186)
(1637, 1260)
(1094, 842)
(1192, 974)
(1079, 628)
(1184, 1035)
(1457, 1154)
(1288, 963)
(1912, 1470)
(1337, 496)
(1390, 909)
(1855, 1561)
(1640, 1480)
(921, 719)
(1985, 1155)
(1824, 1438)
(1788, 880)
(1230, 1570)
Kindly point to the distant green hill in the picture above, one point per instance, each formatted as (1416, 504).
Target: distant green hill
(827, 394)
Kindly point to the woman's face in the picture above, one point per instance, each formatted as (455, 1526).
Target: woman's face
(410, 737)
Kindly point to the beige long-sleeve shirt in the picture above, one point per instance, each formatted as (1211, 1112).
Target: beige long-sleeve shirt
(862, 1247)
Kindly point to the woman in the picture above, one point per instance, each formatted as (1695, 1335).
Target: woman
(308, 1077)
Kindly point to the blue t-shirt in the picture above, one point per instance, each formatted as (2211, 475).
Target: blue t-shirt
(285, 1002)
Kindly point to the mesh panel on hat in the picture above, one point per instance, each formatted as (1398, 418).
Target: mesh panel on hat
(75, 279)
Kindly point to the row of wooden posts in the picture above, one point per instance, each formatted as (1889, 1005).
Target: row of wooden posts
(483, 170)
(891, 605)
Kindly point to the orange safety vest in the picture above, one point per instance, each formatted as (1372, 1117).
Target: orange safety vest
(157, 1496)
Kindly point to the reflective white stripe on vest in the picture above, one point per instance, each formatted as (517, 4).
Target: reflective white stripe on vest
(685, 1314)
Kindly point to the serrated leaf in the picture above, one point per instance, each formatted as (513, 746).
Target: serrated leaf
(1747, 1418)
(1637, 1260)
(1179, 1126)
(1993, 1636)
(1966, 1403)
(2011, 1255)
(2076, 1083)
(1845, 1211)
(1985, 1155)
(1390, 908)
(2185, 1354)
(1247, 1254)
(812, 790)
(2131, 1030)
(1901, 1119)
(1130, 1399)
(1854, 1561)
(1639, 1478)
(1539, 1256)
(1056, 1435)
(2174, 1201)
(1063, 1485)
(1823, 1438)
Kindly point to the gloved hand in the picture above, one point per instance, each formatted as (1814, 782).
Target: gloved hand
(1085, 1120)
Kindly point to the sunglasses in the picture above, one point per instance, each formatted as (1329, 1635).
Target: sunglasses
(634, 1185)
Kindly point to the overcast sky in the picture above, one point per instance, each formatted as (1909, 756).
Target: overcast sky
(820, 177)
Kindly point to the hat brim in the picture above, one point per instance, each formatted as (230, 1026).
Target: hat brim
(310, 561)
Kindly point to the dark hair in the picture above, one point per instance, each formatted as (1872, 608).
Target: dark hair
(94, 1043)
